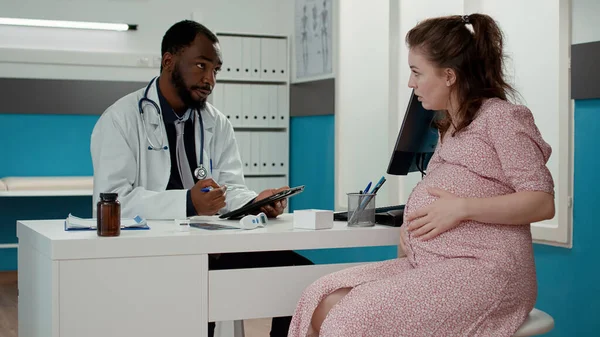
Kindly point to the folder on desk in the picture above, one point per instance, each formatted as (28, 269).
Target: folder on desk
(73, 223)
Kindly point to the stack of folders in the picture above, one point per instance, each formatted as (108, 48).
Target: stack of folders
(73, 223)
(263, 152)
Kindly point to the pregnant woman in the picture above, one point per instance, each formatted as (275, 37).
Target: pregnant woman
(469, 268)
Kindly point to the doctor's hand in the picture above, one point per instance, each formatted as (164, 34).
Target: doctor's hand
(276, 208)
(208, 203)
(442, 215)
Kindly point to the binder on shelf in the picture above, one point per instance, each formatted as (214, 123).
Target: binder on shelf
(283, 106)
(243, 141)
(226, 49)
(255, 152)
(273, 105)
(247, 57)
(217, 97)
(232, 50)
(263, 117)
(256, 105)
(268, 51)
(281, 142)
(265, 152)
(246, 112)
(233, 95)
(256, 57)
(281, 46)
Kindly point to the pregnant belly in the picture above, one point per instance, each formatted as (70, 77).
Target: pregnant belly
(496, 243)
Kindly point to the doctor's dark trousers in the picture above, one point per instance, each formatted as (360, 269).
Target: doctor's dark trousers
(279, 325)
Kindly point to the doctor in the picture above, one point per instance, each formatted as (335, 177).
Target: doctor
(160, 146)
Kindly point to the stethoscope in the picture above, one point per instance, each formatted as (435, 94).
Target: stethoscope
(200, 172)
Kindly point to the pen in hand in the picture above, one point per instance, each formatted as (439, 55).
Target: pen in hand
(208, 189)
(208, 197)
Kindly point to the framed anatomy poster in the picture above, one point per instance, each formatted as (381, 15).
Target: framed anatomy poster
(313, 40)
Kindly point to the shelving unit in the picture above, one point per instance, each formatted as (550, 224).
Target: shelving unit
(46, 186)
(46, 193)
(253, 92)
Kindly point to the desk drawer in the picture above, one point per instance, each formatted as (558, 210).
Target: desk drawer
(261, 292)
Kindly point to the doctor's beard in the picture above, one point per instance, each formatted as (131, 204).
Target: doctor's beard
(183, 92)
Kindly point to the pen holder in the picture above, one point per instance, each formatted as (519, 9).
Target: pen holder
(361, 209)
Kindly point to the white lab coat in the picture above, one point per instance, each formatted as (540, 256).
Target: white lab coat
(123, 163)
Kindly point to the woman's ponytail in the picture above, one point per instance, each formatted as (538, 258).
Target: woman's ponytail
(489, 49)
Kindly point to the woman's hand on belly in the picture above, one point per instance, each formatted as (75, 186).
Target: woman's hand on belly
(440, 216)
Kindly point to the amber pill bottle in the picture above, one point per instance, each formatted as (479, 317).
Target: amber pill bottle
(108, 215)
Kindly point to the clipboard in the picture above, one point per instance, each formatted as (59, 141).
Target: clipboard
(255, 206)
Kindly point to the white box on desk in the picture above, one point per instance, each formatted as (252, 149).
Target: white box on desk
(313, 219)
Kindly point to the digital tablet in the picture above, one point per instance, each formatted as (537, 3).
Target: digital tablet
(255, 206)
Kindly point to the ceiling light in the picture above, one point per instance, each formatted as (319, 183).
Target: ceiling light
(67, 24)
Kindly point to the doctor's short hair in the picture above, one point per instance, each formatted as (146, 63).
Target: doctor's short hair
(182, 34)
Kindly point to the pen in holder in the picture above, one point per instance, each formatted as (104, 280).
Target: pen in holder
(361, 209)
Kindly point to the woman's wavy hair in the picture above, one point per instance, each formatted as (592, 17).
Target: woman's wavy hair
(472, 46)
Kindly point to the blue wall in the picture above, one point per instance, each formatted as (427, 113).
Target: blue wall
(569, 279)
(312, 159)
(42, 145)
(46, 145)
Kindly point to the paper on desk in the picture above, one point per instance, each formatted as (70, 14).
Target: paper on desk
(74, 222)
(196, 218)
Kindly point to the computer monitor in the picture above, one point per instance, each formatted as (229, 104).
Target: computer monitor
(416, 140)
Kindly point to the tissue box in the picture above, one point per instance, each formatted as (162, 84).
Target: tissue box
(313, 219)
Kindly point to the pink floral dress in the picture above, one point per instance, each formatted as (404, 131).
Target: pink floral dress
(477, 279)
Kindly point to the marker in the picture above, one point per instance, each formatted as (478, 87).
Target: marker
(368, 198)
(367, 188)
(379, 184)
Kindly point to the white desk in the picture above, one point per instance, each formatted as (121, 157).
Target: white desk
(156, 282)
